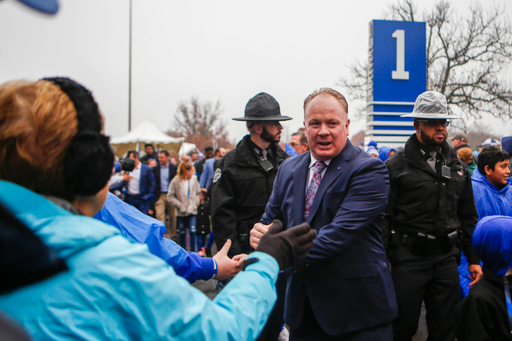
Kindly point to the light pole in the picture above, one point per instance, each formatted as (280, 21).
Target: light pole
(130, 74)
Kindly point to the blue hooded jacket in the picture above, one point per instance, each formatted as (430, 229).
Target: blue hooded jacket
(117, 290)
(384, 153)
(492, 239)
(490, 200)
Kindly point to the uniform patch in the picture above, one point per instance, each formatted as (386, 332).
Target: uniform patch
(461, 172)
(217, 175)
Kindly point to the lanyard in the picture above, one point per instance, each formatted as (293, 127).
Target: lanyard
(509, 302)
(188, 192)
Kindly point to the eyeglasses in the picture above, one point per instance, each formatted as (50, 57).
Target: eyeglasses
(293, 144)
(434, 123)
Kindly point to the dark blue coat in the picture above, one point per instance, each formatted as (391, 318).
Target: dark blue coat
(147, 183)
(345, 276)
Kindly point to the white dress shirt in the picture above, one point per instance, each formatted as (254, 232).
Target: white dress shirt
(133, 187)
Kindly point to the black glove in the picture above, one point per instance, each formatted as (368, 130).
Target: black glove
(127, 164)
(287, 247)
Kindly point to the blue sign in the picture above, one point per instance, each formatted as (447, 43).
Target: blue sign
(399, 60)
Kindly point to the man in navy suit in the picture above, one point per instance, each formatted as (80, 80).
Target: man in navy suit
(164, 172)
(140, 184)
(344, 289)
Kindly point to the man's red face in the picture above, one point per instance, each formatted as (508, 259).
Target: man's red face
(326, 127)
(499, 176)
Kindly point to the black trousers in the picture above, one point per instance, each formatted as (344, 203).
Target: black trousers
(275, 321)
(433, 279)
(309, 329)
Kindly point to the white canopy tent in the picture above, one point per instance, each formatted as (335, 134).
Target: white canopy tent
(186, 148)
(145, 132)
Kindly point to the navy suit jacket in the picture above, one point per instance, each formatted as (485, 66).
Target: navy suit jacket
(345, 275)
(173, 169)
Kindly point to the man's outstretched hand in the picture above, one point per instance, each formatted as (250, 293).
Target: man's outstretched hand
(287, 247)
(227, 267)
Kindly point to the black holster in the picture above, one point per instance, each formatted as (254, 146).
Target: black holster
(243, 234)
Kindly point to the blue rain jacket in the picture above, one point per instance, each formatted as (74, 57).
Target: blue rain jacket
(492, 239)
(143, 229)
(489, 201)
(117, 290)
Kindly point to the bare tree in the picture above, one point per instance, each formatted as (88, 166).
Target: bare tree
(201, 123)
(466, 58)
(358, 138)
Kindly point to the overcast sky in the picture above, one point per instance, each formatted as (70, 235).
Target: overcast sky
(214, 50)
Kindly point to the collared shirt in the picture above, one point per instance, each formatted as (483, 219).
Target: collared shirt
(164, 178)
(133, 187)
(259, 151)
(312, 162)
(430, 156)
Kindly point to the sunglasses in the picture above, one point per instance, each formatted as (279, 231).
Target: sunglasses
(434, 123)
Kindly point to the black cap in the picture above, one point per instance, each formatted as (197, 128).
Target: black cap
(262, 107)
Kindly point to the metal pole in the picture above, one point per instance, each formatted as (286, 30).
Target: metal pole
(130, 74)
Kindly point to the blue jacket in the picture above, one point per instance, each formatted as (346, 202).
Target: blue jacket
(207, 174)
(147, 183)
(117, 290)
(140, 228)
(490, 200)
(289, 149)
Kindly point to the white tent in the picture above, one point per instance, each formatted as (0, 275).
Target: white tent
(145, 132)
(186, 148)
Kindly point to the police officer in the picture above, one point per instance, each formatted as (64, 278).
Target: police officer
(430, 210)
(242, 184)
(244, 178)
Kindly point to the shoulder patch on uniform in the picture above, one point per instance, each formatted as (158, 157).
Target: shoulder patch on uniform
(217, 175)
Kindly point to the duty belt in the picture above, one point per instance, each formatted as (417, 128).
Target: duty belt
(422, 244)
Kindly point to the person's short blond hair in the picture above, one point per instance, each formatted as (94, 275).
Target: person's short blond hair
(326, 91)
(37, 122)
(465, 154)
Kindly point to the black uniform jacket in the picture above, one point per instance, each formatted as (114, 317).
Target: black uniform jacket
(482, 315)
(241, 189)
(203, 218)
(422, 200)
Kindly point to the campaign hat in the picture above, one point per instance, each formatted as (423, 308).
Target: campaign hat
(262, 107)
(431, 105)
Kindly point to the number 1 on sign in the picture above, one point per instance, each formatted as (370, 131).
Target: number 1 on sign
(400, 72)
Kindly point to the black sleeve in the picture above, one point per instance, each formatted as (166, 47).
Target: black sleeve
(474, 320)
(468, 216)
(224, 222)
(389, 212)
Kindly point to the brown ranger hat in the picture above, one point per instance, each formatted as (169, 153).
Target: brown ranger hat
(262, 107)
(462, 137)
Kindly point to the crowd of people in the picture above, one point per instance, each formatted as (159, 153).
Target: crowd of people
(317, 239)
